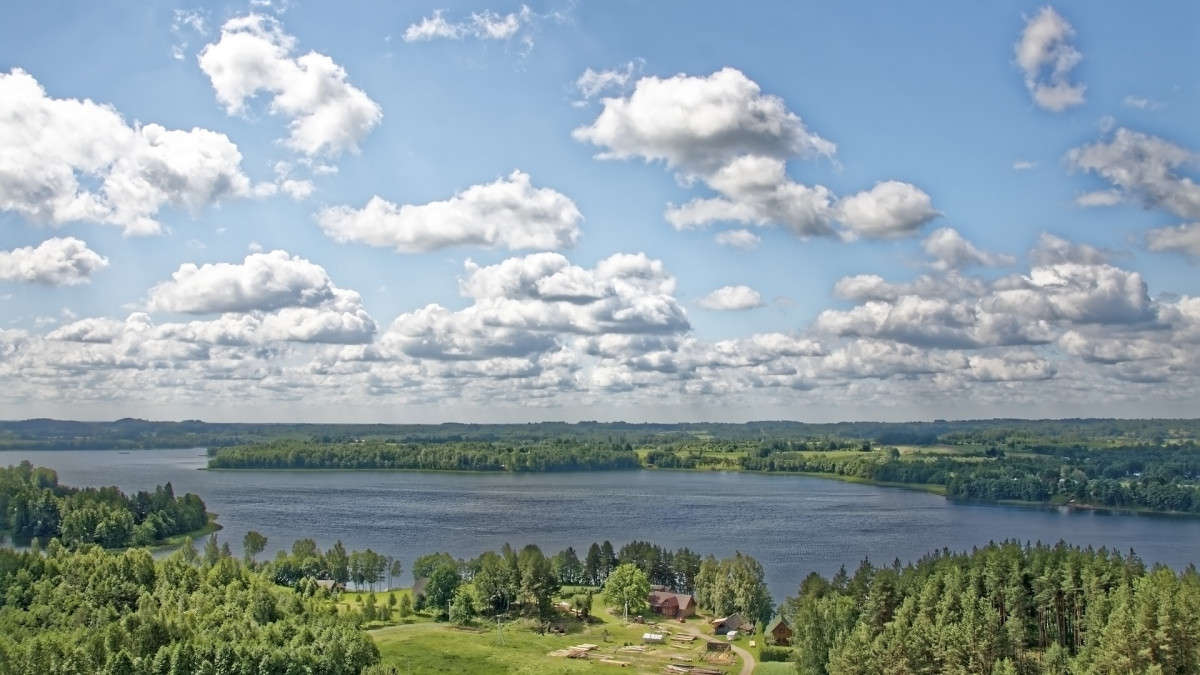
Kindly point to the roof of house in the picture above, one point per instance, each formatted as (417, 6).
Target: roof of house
(329, 583)
(777, 621)
(419, 586)
(661, 598)
(734, 620)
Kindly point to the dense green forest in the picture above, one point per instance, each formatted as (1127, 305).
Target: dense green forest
(90, 611)
(1005, 609)
(1139, 477)
(554, 455)
(34, 504)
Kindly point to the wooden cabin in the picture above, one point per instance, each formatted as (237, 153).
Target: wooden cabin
(780, 632)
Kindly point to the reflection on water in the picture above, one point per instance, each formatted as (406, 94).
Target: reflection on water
(792, 525)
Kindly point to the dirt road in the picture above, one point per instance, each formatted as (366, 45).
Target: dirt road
(748, 662)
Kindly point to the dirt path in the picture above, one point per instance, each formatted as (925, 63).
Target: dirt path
(748, 662)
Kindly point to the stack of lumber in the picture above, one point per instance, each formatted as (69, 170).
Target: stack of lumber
(576, 652)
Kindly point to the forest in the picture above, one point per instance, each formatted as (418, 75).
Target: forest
(1152, 478)
(1004, 609)
(86, 610)
(553, 455)
(34, 505)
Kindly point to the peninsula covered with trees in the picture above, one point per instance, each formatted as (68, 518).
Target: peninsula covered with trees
(1151, 465)
(34, 505)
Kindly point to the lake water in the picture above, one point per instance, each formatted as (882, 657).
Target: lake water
(792, 525)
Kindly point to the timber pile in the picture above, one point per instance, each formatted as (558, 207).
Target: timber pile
(683, 638)
(576, 652)
(614, 662)
(632, 648)
(705, 671)
(678, 670)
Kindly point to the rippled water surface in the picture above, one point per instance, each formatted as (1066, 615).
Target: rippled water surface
(792, 525)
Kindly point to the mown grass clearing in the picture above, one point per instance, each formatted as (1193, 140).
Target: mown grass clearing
(517, 648)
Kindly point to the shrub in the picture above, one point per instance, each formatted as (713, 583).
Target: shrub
(775, 654)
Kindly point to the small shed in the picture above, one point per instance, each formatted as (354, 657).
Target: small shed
(716, 647)
(652, 638)
(779, 631)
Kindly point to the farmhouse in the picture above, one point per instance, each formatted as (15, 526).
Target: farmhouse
(730, 623)
(330, 585)
(780, 632)
(672, 605)
(418, 588)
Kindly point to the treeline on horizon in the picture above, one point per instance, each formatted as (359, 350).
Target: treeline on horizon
(34, 505)
(1138, 477)
(128, 433)
(1004, 609)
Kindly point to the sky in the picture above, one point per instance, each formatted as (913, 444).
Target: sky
(374, 211)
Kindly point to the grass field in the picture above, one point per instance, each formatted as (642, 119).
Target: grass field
(424, 646)
(775, 669)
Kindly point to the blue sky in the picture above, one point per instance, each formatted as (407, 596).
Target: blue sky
(663, 211)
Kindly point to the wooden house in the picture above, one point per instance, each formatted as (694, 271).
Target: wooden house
(780, 632)
(672, 605)
(330, 585)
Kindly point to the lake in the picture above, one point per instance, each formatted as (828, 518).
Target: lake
(792, 525)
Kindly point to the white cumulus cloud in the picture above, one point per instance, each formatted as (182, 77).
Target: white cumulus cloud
(55, 148)
(743, 239)
(509, 213)
(889, 210)
(1183, 239)
(264, 281)
(700, 124)
(950, 250)
(721, 129)
(64, 261)
(756, 191)
(1047, 57)
(1143, 169)
(729, 298)
(327, 115)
